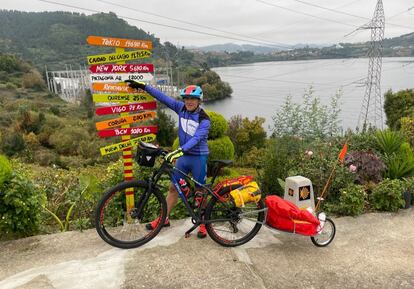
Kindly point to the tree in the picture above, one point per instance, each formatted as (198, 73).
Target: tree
(398, 105)
(246, 134)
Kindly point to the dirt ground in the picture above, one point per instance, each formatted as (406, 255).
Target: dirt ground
(371, 251)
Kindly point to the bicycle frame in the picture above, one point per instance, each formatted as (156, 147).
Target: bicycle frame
(169, 169)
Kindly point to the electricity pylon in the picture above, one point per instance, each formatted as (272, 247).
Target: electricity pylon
(372, 105)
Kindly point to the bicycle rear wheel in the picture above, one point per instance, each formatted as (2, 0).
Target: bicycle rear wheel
(232, 226)
(126, 230)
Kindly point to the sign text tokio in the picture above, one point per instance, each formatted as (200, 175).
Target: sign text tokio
(119, 42)
(126, 108)
(128, 131)
(112, 68)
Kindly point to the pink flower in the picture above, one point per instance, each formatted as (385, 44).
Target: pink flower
(352, 168)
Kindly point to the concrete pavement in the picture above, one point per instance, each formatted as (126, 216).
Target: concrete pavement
(371, 251)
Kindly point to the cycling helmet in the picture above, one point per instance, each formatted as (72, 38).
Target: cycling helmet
(192, 91)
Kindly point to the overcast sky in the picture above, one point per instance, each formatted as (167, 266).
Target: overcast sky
(255, 21)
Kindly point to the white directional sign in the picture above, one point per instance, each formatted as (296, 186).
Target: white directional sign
(118, 77)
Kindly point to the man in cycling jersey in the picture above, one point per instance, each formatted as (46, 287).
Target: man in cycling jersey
(193, 128)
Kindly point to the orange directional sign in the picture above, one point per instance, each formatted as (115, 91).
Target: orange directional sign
(115, 122)
(126, 144)
(113, 87)
(119, 42)
(122, 97)
(117, 57)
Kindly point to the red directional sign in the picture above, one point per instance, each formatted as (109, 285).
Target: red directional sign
(128, 131)
(126, 108)
(114, 68)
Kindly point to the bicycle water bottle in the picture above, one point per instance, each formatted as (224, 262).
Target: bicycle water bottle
(184, 188)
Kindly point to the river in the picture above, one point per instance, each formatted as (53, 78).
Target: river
(259, 89)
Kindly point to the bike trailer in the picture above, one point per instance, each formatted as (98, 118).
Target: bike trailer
(286, 216)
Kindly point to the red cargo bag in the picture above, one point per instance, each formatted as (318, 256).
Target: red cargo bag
(285, 215)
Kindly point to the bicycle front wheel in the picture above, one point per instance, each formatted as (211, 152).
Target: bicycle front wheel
(232, 226)
(126, 229)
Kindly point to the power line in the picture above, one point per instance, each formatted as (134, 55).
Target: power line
(282, 45)
(306, 14)
(159, 24)
(348, 14)
(402, 12)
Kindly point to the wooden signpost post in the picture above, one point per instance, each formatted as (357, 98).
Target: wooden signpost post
(108, 73)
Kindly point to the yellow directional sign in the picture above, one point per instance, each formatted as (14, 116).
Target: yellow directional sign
(116, 57)
(126, 144)
(115, 122)
(122, 97)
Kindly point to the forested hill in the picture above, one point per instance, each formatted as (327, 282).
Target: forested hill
(59, 38)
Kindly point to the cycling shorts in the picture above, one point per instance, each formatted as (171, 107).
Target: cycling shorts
(194, 164)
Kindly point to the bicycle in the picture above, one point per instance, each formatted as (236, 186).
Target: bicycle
(227, 224)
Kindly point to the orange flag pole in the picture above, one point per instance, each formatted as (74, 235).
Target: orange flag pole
(341, 158)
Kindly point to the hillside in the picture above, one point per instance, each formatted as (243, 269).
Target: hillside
(59, 38)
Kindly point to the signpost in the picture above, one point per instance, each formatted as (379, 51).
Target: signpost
(108, 73)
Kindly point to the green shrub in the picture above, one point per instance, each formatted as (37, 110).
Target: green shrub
(281, 155)
(67, 140)
(387, 195)
(246, 134)
(34, 80)
(218, 125)
(407, 129)
(13, 143)
(5, 169)
(221, 149)
(388, 141)
(20, 206)
(352, 200)
(398, 105)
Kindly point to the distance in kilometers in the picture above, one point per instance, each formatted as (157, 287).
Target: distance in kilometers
(116, 57)
(128, 131)
(113, 68)
(119, 42)
(126, 108)
(122, 97)
(114, 77)
(126, 144)
(139, 117)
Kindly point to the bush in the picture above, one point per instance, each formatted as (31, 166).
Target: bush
(407, 129)
(34, 80)
(398, 105)
(221, 149)
(281, 155)
(67, 140)
(352, 200)
(5, 170)
(310, 119)
(20, 206)
(218, 126)
(13, 143)
(166, 128)
(369, 168)
(387, 196)
(246, 134)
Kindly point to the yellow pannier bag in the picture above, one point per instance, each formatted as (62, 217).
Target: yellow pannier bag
(246, 194)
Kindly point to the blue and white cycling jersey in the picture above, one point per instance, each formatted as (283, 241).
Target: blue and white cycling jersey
(193, 126)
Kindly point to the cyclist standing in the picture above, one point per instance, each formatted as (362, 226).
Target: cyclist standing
(193, 128)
